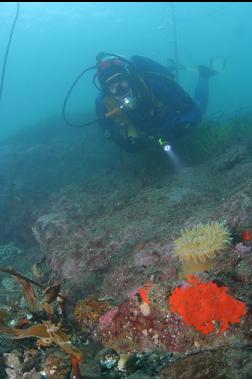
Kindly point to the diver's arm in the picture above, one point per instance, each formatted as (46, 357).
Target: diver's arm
(177, 109)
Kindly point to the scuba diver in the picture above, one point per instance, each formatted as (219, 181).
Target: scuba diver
(140, 102)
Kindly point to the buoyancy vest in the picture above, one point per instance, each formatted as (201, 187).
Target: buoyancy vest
(153, 108)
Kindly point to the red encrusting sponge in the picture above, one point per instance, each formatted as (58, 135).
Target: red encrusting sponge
(200, 304)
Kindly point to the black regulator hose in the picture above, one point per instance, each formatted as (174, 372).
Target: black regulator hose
(7, 50)
(99, 57)
(67, 97)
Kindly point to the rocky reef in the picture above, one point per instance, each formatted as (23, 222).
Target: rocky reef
(106, 231)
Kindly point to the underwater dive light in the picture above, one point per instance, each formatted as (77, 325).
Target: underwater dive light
(164, 144)
(167, 147)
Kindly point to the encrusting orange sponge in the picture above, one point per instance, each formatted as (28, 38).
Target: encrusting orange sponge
(202, 304)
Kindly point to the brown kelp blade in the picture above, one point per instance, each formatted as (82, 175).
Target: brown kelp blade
(11, 271)
(29, 294)
(53, 333)
(46, 331)
(51, 293)
(28, 290)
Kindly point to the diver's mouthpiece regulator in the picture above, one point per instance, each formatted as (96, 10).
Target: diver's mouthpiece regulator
(128, 102)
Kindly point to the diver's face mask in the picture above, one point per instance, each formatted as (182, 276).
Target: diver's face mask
(119, 87)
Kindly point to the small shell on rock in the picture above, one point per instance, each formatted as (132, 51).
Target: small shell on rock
(145, 332)
(108, 358)
(122, 362)
(127, 363)
(145, 309)
(12, 360)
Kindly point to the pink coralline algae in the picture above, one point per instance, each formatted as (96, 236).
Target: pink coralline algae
(126, 329)
(106, 319)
